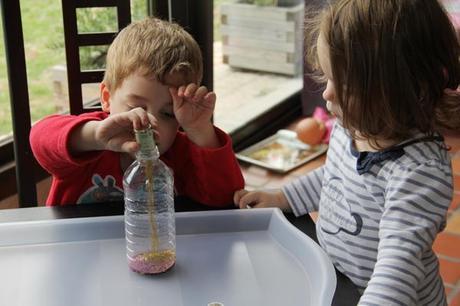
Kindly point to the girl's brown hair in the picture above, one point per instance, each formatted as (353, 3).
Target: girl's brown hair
(395, 64)
(155, 48)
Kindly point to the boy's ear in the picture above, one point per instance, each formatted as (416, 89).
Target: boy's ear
(105, 97)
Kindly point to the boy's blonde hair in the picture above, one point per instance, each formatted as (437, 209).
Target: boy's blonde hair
(155, 48)
(395, 65)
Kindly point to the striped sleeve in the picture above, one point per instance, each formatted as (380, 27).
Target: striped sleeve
(304, 193)
(416, 202)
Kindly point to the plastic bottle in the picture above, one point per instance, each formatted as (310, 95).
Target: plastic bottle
(149, 210)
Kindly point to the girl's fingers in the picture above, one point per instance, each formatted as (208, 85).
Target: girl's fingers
(237, 196)
(249, 199)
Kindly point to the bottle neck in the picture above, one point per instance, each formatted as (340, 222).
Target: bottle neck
(147, 154)
(148, 148)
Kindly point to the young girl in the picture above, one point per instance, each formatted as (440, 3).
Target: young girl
(392, 71)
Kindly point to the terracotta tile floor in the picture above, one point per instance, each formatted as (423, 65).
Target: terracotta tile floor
(447, 244)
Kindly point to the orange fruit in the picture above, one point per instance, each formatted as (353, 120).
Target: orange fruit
(310, 130)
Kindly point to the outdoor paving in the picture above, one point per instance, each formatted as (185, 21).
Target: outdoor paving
(244, 94)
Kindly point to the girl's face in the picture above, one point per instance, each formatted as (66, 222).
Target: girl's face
(329, 93)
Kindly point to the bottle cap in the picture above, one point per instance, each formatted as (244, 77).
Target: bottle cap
(145, 139)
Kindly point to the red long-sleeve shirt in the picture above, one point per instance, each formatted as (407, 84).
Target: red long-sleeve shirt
(207, 175)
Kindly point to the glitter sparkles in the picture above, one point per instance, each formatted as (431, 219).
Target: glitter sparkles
(153, 262)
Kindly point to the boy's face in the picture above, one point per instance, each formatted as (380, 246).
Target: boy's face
(151, 95)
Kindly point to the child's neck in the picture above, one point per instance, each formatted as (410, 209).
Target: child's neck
(363, 145)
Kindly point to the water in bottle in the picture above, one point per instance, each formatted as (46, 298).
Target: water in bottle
(149, 210)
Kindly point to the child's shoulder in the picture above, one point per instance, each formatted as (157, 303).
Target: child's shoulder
(429, 156)
(426, 150)
(94, 114)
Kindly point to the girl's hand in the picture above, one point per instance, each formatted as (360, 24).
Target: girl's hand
(193, 106)
(116, 132)
(258, 199)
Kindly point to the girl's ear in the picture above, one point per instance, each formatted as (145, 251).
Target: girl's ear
(105, 97)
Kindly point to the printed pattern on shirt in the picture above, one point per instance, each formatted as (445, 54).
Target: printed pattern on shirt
(103, 190)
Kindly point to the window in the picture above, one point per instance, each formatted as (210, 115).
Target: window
(45, 56)
(42, 29)
(257, 58)
(264, 99)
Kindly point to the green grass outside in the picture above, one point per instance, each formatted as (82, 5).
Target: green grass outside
(42, 28)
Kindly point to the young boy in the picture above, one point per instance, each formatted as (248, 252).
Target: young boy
(152, 75)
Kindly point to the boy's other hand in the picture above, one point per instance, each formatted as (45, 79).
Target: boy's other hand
(193, 106)
(259, 199)
(116, 132)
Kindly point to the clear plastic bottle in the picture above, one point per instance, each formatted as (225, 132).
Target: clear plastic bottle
(149, 210)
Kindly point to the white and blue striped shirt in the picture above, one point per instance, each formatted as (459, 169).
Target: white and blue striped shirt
(379, 227)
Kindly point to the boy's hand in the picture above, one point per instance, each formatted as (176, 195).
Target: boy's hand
(116, 132)
(259, 199)
(193, 106)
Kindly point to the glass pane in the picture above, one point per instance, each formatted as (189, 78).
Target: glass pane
(45, 55)
(44, 47)
(258, 49)
(97, 19)
(90, 94)
(93, 57)
(138, 9)
(5, 109)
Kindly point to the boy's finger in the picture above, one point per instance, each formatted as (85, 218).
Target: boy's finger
(174, 93)
(156, 136)
(139, 117)
(200, 93)
(176, 97)
(130, 147)
(190, 90)
(136, 122)
(153, 121)
(154, 125)
(210, 100)
(180, 91)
